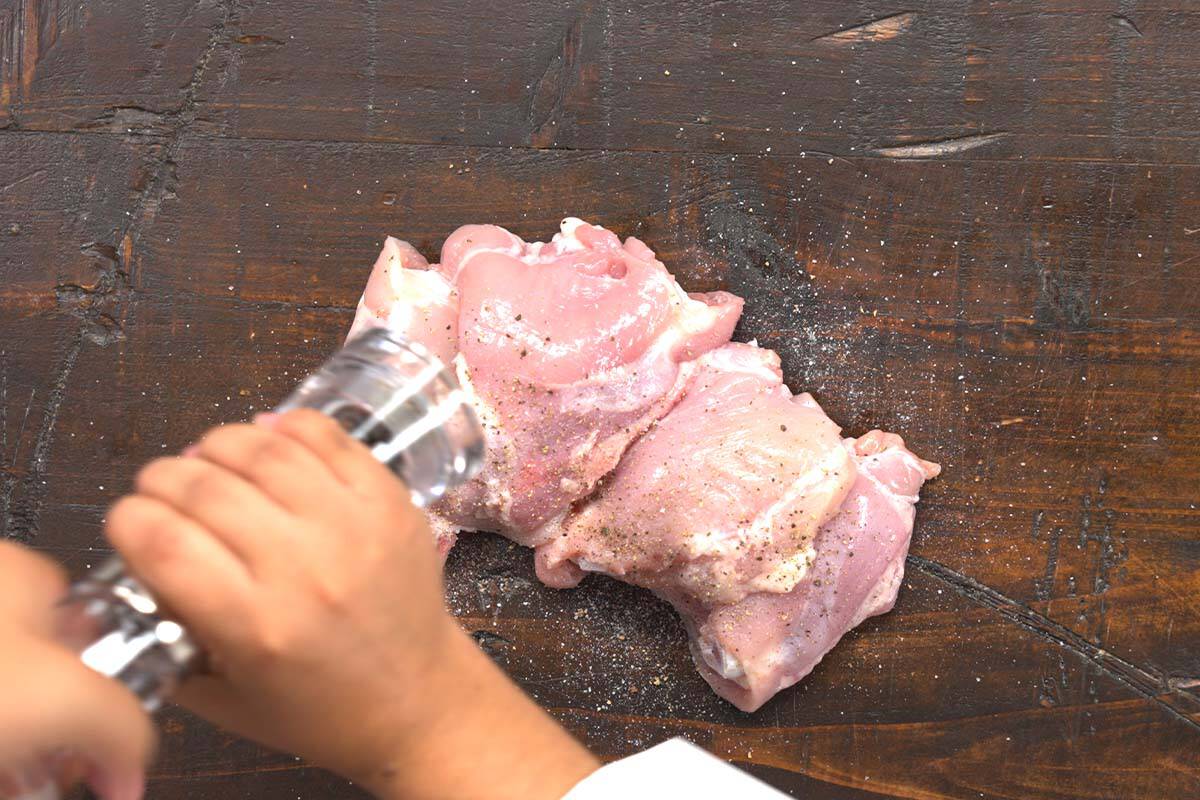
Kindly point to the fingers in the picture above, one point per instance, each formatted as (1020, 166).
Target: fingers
(283, 468)
(30, 585)
(104, 723)
(67, 707)
(248, 522)
(194, 573)
(349, 460)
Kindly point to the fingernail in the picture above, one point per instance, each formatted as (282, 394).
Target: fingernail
(266, 419)
(190, 450)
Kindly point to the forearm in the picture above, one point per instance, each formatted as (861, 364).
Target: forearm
(486, 739)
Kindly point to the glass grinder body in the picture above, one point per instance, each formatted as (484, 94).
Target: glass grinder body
(390, 394)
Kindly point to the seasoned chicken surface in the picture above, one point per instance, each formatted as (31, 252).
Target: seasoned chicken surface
(627, 436)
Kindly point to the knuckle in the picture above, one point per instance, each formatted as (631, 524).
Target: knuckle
(161, 540)
(122, 515)
(270, 641)
(272, 450)
(220, 438)
(313, 423)
(154, 473)
(302, 419)
(139, 529)
(203, 488)
(331, 593)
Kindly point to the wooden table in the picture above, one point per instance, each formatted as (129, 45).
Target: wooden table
(977, 224)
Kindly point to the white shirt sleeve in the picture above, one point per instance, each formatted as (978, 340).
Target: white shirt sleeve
(675, 768)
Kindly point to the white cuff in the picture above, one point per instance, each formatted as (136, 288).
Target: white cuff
(675, 768)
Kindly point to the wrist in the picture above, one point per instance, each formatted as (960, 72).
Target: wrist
(478, 737)
(402, 711)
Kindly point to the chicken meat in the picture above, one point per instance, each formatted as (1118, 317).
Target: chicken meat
(627, 436)
(570, 349)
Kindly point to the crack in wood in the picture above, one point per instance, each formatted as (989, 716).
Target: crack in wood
(100, 324)
(491, 643)
(23, 510)
(876, 30)
(1144, 681)
(175, 125)
(865, 157)
(97, 304)
(936, 148)
(549, 94)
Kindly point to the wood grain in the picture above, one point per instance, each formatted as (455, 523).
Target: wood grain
(1005, 269)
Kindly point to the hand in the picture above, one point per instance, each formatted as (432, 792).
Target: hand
(59, 720)
(311, 579)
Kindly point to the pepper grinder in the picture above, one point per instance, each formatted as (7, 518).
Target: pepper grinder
(392, 395)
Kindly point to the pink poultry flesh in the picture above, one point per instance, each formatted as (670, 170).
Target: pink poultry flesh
(627, 436)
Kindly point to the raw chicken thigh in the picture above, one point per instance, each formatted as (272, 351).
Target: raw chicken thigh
(743, 507)
(751, 649)
(571, 349)
(627, 436)
(722, 498)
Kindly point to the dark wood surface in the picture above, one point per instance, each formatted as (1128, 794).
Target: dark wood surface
(977, 224)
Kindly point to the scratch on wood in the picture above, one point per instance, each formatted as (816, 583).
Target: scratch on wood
(1125, 23)
(22, 179)
(258, 38)
(1111, 552)
(941, 147)
(1043, 588)
(21, 428)
(1144, 681)
(1085, 520)
(25, 509)
(130, 119)
(877, 30)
